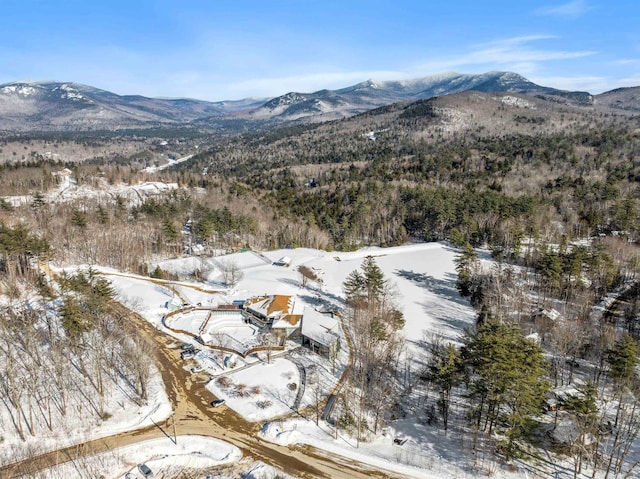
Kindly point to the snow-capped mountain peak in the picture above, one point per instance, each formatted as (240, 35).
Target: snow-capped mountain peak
(19, 88)
(68, 92)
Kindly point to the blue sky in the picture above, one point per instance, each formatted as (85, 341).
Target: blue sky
(231, 49)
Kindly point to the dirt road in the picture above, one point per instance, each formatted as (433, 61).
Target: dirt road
(193, 415)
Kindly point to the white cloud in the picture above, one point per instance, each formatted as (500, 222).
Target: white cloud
(567, 10)
(627, 61)
(505, 54)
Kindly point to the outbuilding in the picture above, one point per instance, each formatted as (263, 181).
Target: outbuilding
(321, 332)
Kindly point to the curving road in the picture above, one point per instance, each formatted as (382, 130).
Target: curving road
(193, 415)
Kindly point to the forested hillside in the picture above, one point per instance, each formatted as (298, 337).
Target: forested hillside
(470, 167)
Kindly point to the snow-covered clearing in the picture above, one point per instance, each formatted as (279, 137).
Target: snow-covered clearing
(415, 459)
(423, 277)
(170, 162)
(423, 274)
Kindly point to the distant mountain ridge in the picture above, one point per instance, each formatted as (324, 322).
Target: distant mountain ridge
(326, 104)
(71, 106)
(68, 106)
(621, 99)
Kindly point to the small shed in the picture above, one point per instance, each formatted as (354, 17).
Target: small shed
(284, 261)
(545, 319)
(320, 332)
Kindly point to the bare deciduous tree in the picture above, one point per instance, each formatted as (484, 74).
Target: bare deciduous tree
(231, 273)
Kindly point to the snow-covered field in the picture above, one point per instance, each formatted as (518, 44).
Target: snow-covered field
(423, 274)
(415, 459)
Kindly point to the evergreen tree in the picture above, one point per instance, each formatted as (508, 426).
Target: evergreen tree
(169, 230)
(623, 359)
(469, 284)
(102, 215)
(374, 323)
(505, 378)
(368, 285)
(550, 268)
(445, 372)
(353, 286)
(17, 247)
(79, 219)
(74, 318)
(374, 281)
(157, 273)
(38, 201)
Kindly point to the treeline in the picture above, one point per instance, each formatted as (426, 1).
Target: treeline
(559, 295)
(497, 387)
(374, 212)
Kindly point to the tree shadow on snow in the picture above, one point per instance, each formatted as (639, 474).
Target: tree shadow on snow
(316, 296)
(318, 303)
(441, 287)
(448, 309)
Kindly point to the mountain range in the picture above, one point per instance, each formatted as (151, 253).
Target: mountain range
(55, 106)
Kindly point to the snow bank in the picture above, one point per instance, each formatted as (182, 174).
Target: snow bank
(191, 452)
(263, 471)
(274, 432)
(162, 456)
